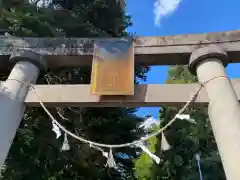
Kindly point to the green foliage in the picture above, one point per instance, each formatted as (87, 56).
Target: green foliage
(35, 153)
(144, 164)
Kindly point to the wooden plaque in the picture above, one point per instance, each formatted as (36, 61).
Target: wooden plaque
(113, 68)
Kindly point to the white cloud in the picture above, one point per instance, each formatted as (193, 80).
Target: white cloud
(163, 8)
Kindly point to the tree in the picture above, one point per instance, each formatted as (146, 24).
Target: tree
(143, 164)
(186, 139)
(35, 153)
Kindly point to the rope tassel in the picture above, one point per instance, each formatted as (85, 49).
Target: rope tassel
(56, 130)
(110, 161)
(146, 150)
(65, 145)
(165, 146)
(185, 117)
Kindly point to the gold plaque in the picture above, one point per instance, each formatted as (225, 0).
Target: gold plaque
(113, 67)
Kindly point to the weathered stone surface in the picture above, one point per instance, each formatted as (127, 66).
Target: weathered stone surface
(145, 95)
(163, 50)
(204, 53)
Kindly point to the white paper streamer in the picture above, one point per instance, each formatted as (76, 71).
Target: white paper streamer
(105, 154)
(7, 34)
(165, 146)
(110, 161)
(148, 123)
(56, 130)
(146, 150)
(65, 145)
(185, 117)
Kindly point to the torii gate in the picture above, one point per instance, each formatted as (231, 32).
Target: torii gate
(206, 54)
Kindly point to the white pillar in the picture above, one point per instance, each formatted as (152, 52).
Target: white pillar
(224, 109)
(12, 96)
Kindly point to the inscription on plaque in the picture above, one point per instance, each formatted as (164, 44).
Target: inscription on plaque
(113, 68)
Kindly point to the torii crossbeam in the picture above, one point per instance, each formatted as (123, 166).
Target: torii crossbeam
(145, 96)
(161, 50)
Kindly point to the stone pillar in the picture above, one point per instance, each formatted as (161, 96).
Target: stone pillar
(13, 93)
(224, 111)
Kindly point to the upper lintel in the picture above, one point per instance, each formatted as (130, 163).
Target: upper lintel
(162, 50)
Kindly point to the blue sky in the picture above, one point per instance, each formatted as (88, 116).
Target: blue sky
(169, 17)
